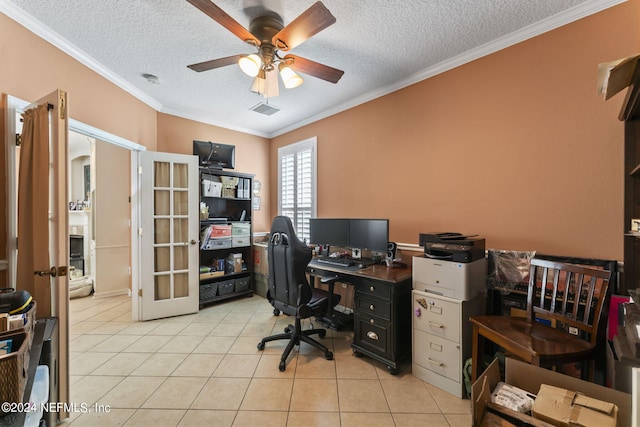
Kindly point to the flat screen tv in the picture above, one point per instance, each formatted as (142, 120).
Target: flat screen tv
(215, 155)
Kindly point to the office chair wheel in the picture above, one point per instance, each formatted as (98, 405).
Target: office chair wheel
(282, 366)
(276, 312)
(260, 346)
(328, 355)
(322, 334)
(289, 329)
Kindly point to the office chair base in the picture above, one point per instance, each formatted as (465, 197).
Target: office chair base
(336, 320)
(296, 335)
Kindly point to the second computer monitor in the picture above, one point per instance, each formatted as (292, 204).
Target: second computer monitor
(371, 234)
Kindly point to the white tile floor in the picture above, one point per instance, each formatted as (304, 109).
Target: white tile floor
(205, 370)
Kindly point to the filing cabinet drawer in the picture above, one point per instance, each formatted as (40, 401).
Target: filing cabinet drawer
(372, 334)
(376, 289)
(437, 354)
(436, 315)
(373, 307)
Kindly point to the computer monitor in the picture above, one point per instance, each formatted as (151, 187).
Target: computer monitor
(371, 234)
(329, 231)
(215, 155)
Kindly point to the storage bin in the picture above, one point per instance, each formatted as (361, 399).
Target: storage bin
(240, 229)
(218, 243)
(211, 188)
(220, 231)
(226, 287)
(14, 367)
(208, 291)
(242, 284)
(240, 241)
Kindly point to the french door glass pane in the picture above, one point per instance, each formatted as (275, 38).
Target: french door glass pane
(180, 230)
(180, 203)
(181, 285)
(180, 177)
(162, 287)
(162, 202)
(181, 258)
(162, 231)
(163, 259)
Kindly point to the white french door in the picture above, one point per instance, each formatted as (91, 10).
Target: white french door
(168, 194)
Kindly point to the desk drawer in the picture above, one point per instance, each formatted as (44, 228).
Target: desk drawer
(376, 289)
(437, 355)
(373, 307)
(372, 334)
(436, 316)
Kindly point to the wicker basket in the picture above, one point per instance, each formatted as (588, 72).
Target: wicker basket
(208, 291)
(242, 284)
(226, 287)
(14, 367)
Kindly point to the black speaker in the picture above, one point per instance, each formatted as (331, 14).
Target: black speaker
(324, 250)
(391, 252)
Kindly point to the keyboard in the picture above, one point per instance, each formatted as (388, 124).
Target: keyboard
(338, 262)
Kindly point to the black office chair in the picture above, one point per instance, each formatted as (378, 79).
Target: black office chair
(289, 291)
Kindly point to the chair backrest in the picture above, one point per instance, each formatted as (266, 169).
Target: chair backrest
(288, 259)
(568, 296)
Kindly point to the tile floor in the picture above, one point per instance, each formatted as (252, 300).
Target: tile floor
(205, 370)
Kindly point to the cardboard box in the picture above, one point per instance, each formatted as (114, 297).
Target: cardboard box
(566, 408)
(530, 378)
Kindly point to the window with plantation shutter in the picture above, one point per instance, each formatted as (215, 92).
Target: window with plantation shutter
(297, 184)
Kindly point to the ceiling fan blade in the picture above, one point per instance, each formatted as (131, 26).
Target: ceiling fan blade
(215, 63)
(222, 18)
(311, 22)
(315, 69)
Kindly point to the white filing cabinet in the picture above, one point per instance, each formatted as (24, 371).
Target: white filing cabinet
(442, 338)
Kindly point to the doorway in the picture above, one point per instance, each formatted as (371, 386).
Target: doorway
(99, 217)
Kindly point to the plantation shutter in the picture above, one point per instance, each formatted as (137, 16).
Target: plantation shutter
(297, 184)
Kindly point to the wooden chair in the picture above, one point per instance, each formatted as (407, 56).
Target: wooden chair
(555, 330)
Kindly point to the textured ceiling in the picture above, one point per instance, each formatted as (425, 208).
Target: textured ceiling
(382, 45)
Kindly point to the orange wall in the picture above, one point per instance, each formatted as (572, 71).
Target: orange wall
(31, 68)
(517, 147)
(176, 135)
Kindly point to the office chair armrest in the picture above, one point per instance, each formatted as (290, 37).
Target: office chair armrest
(329, 279)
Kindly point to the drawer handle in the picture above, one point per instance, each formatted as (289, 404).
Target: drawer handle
(435, 325)
(372, 335)
(372, 289)
(435, 362)
(372, 307)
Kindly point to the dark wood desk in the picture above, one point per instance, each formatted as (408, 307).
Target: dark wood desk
(382, 311)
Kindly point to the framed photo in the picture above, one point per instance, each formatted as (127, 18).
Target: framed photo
(256, 203)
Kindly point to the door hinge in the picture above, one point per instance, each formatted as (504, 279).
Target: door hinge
(140, 293)
(139, 231)
(139, 170)
(18, 140)
(62, 104)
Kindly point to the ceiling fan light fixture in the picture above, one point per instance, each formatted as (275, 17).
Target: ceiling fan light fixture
(250, 64)
(289, 77)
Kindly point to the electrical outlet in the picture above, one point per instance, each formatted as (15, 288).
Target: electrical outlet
(573, 330)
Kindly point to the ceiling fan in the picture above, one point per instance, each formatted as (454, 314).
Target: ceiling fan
(269, 36)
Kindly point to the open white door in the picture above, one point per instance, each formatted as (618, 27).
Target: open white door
(58, 305)
(168, 234)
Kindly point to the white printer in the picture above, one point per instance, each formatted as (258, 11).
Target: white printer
(458, 280)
